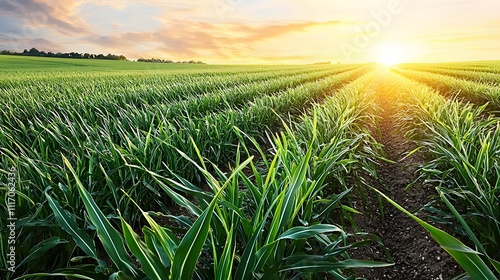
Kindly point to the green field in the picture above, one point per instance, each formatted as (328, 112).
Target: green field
(42, 64)
(127, 170)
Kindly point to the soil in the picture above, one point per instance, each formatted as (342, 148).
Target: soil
(415, 254)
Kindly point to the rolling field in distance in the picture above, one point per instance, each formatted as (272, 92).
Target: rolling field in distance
(128, 170)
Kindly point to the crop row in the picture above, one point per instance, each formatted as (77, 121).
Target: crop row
(119, 141)
(479, 67)
(280, 224)
(114, 94)
(151, 76)
(492, 79)
(475, 92)
(117, 155)
(463, 165)
(69, 128)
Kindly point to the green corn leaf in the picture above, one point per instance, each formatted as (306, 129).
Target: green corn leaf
(496, 264)
(44, 275)
(186, 255)
(265, 252)
(466, 257)
(150, 263)
(38, 250)
(155, 246)
(466, 227)
(286, 205)
(109, 236)
(81, 238)
(334, 202)
(224, 267)
(297, 233)
(168, 241)
(83, 270)
(322, 266)
(248, 260)
(462, 221)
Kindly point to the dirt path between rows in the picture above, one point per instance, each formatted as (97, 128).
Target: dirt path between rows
(415, 254)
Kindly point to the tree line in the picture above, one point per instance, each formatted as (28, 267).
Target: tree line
(157, 60)
(35, 52)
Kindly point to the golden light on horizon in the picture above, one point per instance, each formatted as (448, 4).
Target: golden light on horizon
(390, 54)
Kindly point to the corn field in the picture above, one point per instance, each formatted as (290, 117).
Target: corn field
(113, 170)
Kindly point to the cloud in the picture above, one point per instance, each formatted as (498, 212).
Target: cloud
(187, 39)
(12, 43)
(265, 32)
(61, 15)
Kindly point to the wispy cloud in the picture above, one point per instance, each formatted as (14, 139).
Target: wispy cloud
(61, 15)
(199, 38)
(7, 41)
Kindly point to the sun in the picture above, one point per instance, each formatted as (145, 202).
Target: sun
(390, 54)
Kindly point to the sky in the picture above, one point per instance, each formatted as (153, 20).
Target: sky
(258, 31)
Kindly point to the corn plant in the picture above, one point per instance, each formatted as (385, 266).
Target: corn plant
(463, 146)
(276, 222)
(263, 217)
(476, 76)
(109, 150)
(473, 91)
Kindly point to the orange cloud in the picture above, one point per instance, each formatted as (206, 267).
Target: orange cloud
(188, 39)
(61, 16)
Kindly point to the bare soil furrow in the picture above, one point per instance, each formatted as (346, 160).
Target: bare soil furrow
(415, 254)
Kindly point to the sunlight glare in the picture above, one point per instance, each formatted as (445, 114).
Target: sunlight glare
(390, 54)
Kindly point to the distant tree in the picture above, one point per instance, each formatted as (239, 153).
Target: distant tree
(34, 52)
(157, 60)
